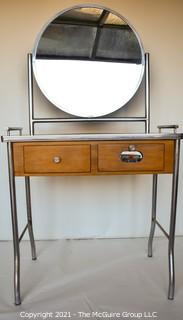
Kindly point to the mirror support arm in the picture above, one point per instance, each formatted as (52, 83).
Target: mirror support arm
(30, 94)
(147, 93)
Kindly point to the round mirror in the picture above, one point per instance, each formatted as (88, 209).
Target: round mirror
(88, 61)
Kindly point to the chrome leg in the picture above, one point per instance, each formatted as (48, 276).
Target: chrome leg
(29, 217)
(173, 222)
(153, 219)
(14, 226)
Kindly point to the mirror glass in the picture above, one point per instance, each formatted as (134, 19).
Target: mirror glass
(88, 61)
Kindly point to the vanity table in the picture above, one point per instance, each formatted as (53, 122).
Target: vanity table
(93, 154)
(90, 154)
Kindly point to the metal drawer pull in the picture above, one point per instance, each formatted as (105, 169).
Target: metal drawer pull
(57, 159)
(131, 155)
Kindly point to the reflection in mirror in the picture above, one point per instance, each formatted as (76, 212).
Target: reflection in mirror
(88, 61)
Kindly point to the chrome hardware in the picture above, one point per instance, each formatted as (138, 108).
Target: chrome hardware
(10, 129)
(131, 155)
(131, 147)
(174, 127)
(57, 159)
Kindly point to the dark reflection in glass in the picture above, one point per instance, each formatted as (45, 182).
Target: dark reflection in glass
(89, 34)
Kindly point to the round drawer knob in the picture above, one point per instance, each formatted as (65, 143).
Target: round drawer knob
(131, 147)
(57, 159)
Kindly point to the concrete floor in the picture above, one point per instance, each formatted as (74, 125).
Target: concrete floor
(92, 279)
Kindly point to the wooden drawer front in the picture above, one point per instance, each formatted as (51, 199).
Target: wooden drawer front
(153, 157)
(73, 158)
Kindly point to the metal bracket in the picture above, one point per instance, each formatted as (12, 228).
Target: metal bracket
(10, 129)
(174, 127)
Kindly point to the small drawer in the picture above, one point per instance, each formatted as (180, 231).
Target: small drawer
(56, 159)
(148, 157)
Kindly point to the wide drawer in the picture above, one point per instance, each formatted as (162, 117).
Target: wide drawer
(56, 159)
(156, 157)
